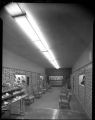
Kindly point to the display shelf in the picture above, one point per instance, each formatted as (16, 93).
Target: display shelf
(12, 95)
(13, 100)
(11, 89)
(7, 97)
(3, 106)
(18, 93)
(18, 98)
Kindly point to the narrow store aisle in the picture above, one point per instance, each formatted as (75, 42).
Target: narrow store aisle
(47, 107)
(48, 100)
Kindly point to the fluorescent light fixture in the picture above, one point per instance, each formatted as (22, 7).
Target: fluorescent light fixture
(26, 27)
(36, 28)
(13, 9)
(50, 58)
(40, 45)
(30, 27)
(50, 52)
(55, 64)
(47, 55)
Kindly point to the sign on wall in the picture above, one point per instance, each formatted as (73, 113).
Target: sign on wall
(55, 77)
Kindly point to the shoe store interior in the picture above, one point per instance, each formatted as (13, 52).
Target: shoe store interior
(46, 61)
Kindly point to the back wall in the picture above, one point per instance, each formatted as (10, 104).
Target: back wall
(65, 72)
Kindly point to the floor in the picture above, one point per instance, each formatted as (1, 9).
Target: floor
(48, 100)
(47, 107)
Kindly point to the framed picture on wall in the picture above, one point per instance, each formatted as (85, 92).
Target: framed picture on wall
(82, 79)
(20, 79)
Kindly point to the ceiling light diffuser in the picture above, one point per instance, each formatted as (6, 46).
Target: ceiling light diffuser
(40, 45)
(27, 28)
(36, 28)
(50, 58)
(47, 55)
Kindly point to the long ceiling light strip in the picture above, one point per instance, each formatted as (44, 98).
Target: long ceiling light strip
(22, 22)
(52, 61)
(28, 26)
(51, 57)
(40, 45)
(35, 26)
(47, 55)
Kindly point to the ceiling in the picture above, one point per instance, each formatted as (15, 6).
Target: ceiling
(68, 30)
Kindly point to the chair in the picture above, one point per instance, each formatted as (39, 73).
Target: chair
(29, 100)
(37, 94)
(64, 89)
(63, 96)
(44, 90)
(64, 101)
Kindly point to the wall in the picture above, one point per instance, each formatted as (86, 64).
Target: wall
(65, 72)
(83, 93)
(11, 59)
(84, 59)
(15, 64)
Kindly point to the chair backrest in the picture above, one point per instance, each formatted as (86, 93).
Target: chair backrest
(63, 97)
(69, 96)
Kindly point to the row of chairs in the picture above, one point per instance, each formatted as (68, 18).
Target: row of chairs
(36, 94)
(64, 99)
